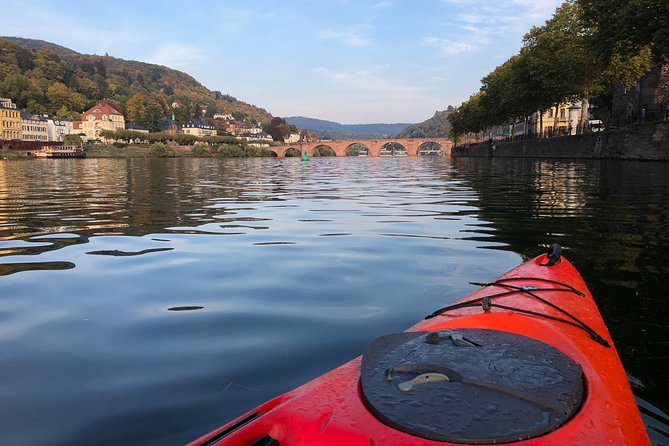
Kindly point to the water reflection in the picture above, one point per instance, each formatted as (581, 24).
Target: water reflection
(153, 293)
(13, 268)
(611, 218)
(118, 253)
(186, 308)
(560, 188)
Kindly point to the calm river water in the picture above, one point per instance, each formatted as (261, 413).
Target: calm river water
(296, 266)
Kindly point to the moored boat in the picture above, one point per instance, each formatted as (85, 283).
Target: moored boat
(60, 152)
(524, 360)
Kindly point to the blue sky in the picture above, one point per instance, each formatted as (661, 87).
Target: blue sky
(341, 60)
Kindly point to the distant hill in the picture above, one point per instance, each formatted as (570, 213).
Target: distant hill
(43, 77)
(41, 45)
(335, 130)
(435, 127)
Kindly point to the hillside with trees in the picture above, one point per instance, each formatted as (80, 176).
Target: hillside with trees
(46, 78)
(435, 127)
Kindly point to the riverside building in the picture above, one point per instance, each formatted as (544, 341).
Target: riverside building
(33, 127)
(105, 115)
(10, 120)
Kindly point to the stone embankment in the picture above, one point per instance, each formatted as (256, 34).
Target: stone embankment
(648, 141)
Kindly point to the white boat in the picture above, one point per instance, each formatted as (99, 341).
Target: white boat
(60, 152)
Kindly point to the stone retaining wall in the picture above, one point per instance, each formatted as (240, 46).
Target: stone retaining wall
(648, 141)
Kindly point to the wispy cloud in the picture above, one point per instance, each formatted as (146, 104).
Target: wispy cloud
(449, 47)
(81, 35)
(458, 2)
(177, 55)
(477, 23)
(348, 38)
(534, 11)
(383, 5)
(366, 82)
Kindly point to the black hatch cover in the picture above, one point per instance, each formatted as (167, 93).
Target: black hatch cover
(470, 385)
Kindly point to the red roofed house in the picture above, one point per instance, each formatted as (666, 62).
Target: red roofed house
(105, 115)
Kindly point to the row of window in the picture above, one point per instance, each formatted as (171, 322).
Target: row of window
(10, 114)
(563, 113)
(34, 128)
(98, 124)
(10, 135)
(11, 124)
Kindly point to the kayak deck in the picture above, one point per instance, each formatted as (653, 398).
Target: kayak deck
(545, 306)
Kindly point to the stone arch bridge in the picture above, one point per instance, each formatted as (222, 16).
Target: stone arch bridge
(412, 146)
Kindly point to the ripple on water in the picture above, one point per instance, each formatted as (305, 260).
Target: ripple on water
(59, 235)
(13, 268)
(167, 329)
(118, 253)
(273, 243)
(17, 244)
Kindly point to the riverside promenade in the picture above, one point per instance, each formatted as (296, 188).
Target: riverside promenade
(647, 141)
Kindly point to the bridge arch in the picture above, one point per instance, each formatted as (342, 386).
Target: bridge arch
(357, 149)
(323, 150)
(289, 151)
(292, 152)
(393, 148)
(429, 148)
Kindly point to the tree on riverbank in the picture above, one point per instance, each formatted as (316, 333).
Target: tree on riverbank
(161, 150)
(147, 110)
(278, 128)
(164, 137)
(622, 29)
(72, 140)
(563, 61)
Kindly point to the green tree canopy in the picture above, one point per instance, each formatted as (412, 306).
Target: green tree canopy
(147, 110)
(625, 27)
(567, 59)
(60, 96)
(72, 140)
(558, 59)
(470, 116)
(278, 129)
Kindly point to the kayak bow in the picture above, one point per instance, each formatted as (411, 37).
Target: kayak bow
(524, 360)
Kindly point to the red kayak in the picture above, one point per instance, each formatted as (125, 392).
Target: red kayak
(524, 360)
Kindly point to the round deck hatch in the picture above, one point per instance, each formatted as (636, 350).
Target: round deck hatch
(470, 385)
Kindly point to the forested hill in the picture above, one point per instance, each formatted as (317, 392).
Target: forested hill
(435, 127)
(43, 77)
(41, 45)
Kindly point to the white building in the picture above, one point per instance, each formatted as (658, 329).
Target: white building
(33, 127)
(293, 138)
(199, 129)
(58, 128)
(565, 119)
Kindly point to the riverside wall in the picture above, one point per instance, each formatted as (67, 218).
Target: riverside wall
(648, 141)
